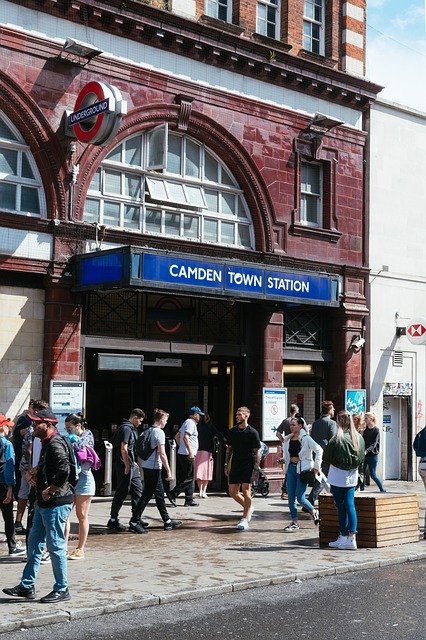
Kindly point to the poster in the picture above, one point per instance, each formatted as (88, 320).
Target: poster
(274, 410)
(66, 396)
(355, 400)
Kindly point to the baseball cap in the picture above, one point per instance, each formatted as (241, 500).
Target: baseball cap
(43, 415)
(196, 410)
(6, 422)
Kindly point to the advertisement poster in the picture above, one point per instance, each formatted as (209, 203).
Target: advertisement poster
(274, 410)
(355, 400)
(66, 397)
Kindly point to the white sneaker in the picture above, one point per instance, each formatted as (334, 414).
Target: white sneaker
(242, 525)
(315, 516)
(250, 513)
(292, 527)
(336, 543)
(349, 544)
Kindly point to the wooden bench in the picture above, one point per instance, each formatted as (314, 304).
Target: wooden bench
(384, 519)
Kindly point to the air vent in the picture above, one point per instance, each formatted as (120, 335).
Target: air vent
(398, 358)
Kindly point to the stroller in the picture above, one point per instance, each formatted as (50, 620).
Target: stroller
(261, 484)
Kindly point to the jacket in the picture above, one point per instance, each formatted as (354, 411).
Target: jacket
(308, 447)
(371, 437)
(419, 444)
(323, 430)
(342, 453)
(7, 477)
(54, 468)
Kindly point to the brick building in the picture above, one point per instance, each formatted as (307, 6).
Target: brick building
(219, 233)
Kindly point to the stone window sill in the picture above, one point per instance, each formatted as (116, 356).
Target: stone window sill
(330, 235)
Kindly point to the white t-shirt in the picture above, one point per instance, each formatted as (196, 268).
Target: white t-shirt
(342, 477)
(189, 427)
(154, 461)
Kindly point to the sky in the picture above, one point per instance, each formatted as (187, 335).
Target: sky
(396, 50)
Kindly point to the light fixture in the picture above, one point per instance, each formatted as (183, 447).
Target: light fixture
(79, 53)
(306, 369)
(322, 123)
(357, 343)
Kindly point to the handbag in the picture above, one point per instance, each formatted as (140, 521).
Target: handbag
(307, 477)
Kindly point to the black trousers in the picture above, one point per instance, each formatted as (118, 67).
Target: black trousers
(152, 486)
(7, 513)
(130, 483)
(184, 477)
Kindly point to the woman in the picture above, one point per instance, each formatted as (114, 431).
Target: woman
(371, 435)
(207, 433)
(344, 454)
(85, 489)
(298, 448)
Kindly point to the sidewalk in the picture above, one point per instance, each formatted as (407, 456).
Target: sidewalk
(206, 556)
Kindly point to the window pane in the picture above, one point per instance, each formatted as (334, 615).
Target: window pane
(210, 230)
(131, 217)
(8, 161)
(211, 168)
(26, 171)
(112, 182)
(91, 210)
(242, 213)
(243, 235)
(6, 133)
(115, 154)
(156, 147)
(228, 204)
(153, 221)
(132, 186)
(226, 178)
(311, 177)
(95, 185)
(192, 160)
(157, 189)
(132, 154)
(176, 193)
(212, 199)
(29, 200)
(227, 232)
(174, 155)
(308, 10)
(223, 12)
(7, 196)
(261, 11)
(190, 226)
(195, 196)
(172, 224)
(112, 214)
(211, 8)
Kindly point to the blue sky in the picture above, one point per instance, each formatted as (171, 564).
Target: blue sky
(396, 50)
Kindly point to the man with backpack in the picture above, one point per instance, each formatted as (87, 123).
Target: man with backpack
(419, 446)
(55, 496)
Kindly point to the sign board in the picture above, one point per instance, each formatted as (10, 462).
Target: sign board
(274, 410)
(120, 362)
(355, 400)
(67, 396)
(416, 330)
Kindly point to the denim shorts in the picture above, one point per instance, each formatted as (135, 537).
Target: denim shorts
(85, 484)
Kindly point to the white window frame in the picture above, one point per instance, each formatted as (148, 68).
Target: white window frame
(268, 4)
(211, 8)
(309, 194)
(311, 22)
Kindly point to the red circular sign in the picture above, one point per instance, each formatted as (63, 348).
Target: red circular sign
(98, 111)
(416, 330)
(169, 326)
(92, 92)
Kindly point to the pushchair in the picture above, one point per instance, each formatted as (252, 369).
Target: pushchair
(261, 483)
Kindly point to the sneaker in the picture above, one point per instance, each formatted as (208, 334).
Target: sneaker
(336, 543)
(17, 552)
(204, 495)
(243, 525)
(292, 527)
(250, 513)
(21, 592)
(316, 516)
(190, 503)
(114, 525)
(77, 554)
(136, 527)
(19, 529)
(171, 498)
(172, 524)
(45, 558)
(348, 544)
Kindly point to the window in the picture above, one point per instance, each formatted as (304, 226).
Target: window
(311, 194)
(267, 18)
(190, 194)
(313, 26)
(21, 189)
(219, 9)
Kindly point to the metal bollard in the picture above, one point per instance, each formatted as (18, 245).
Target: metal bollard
(172, 463)
(107, 484)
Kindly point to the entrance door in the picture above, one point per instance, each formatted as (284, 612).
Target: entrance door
(392, 438)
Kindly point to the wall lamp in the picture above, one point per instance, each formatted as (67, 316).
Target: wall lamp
(321, 123)
(78, 53)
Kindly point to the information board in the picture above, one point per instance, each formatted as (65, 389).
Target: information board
(274, 410)
(67, 396)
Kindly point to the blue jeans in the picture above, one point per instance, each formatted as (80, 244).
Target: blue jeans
(371, 461)
(344, 499)
(48, 527)
(296, 491)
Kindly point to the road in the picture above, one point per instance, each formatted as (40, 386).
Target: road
(383, 604)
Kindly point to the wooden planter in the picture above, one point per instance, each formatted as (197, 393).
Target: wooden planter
(384, 519)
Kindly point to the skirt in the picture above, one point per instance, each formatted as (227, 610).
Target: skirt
(85, 484)
(204, 465)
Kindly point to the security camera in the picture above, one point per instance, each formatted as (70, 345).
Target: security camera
(357, 344)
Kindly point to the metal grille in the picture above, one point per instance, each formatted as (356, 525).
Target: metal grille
(306, 329)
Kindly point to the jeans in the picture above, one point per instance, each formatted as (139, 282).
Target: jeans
(317, 488)
(370, 463)
(296, 489)
(153, 485)
(130, 483)
(185, 477)
(48, 527)
(344, 499)
(7, 513)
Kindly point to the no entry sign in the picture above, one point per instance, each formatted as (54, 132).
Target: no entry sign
(416, 330)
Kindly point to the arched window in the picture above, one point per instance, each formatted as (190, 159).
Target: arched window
(167, 184)
(21, 189)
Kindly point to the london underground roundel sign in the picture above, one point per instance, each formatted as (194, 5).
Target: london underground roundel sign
(416, 330)
(97, 113)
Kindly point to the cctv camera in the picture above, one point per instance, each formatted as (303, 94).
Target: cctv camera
(358, 344)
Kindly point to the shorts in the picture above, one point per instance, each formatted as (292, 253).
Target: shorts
(24, 488)
(85, 484)
(240, 473)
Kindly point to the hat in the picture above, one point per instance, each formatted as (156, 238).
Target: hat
(43, 415)
(196, 410)
(6, 422)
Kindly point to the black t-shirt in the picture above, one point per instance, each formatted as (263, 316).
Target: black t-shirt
(127, 433)
(294, 447)
(243, 441)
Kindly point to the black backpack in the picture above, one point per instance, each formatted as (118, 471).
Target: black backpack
(143, 444)
(73, 475)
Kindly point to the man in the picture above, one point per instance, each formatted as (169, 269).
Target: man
(128, 474)
(419, 446)
(153, 483)
(242, 462)
(187, 441)
(7, 482)
(55, 497)
(322, 431)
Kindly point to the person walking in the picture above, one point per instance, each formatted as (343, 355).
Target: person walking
(344, 453)
(204, 461)
(419, 446)
(128, 474)
(54, 503)
(284, 430)
(371, 435)
(187, 441)
(7, 483)
(298, 450)
(153, 482)
(322, 431)
(242, 463)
